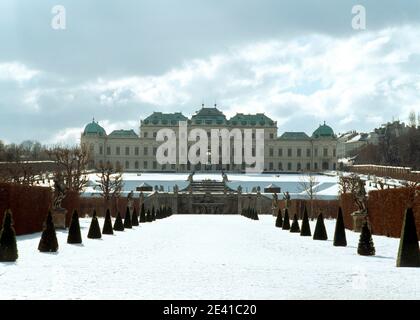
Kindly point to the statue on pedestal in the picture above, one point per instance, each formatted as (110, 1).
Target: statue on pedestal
(59, 213)
(286, 198)
(239, 189)
(130, 201)
(275, 204)
(360, 199)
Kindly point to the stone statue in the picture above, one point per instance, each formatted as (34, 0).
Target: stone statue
(176, 189)
(130, 201)
(58, 212)
(274, 204)
(161, 189)
(360, 196)
(239, 189)
(190, 177)
(225, 177)
(59, 192)
(286, 198)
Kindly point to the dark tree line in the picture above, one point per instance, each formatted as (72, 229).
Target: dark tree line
(393, 150)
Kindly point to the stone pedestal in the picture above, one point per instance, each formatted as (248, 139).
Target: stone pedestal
(59, 218)
(358, 219)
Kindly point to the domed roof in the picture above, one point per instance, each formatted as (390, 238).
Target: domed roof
(94, 128)
(323, 131)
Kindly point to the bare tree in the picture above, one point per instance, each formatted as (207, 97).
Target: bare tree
(110, 181)
(354, 185)
(72, 166)
(307, 184)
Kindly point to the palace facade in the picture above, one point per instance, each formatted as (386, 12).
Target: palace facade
(136, 152)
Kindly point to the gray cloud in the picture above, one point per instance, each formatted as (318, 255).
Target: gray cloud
(119, 61)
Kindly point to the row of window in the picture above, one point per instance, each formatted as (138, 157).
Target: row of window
(299, 152)
(154, 135)
(271, 167)
(127, 151)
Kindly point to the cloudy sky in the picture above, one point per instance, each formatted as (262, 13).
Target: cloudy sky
(300, 62)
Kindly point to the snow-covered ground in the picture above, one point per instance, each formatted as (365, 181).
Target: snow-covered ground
(207, 257)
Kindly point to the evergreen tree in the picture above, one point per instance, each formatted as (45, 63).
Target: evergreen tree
(256, 214)
(306, 228)
(148, 216)
(142, 214)
(107, 228)
(74, 235)
(286, 221)
(135, 219)
(118, 223)
(279, 220)
(295, 225)
(158, 213)
(169, 211)
(340, 231)
(153, 215)
(8, 246)
(127, 219)
(48, 242)
(94, 229)
(366, 247)
(320, 231)
(408, 251)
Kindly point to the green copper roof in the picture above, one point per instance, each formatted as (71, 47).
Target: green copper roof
(208, 116)
(259, 119)
(94, 128)
(165, 118)
(323, 131)
(294, 136)
(123, 134)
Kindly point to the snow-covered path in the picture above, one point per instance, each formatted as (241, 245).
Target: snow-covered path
(207, 257)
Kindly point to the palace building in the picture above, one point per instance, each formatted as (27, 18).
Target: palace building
(136, 152)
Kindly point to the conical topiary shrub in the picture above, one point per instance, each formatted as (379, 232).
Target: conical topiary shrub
(306, 228)
(320, 232)
(135, 218)
(153, 216)
(127, 219)
(286, 221)
(340, 231)
(8, 246)
(74, 236)
(366, 247)
(279, 219)
(118, 223)
(295, 225)
(94, 229)
(148, 216)
(255, 215)
(408, 251)
(142, 214)
(48, 242)
(107, 228)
